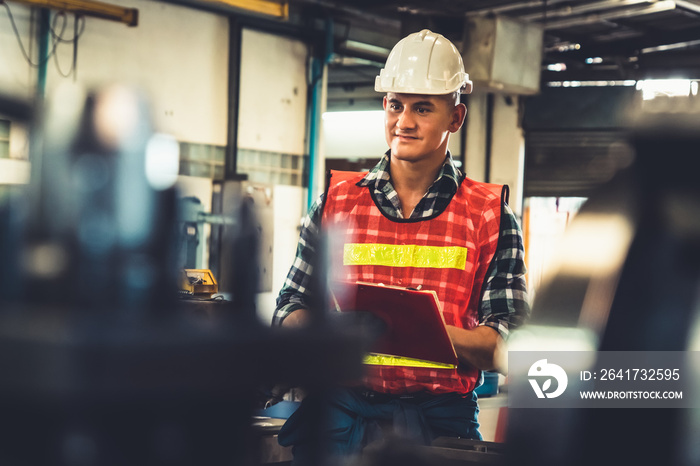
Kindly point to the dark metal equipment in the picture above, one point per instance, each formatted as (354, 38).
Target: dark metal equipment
(101, 364)
(642, 295)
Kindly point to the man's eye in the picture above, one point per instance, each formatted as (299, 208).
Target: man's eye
(395, 107)
(422, 110)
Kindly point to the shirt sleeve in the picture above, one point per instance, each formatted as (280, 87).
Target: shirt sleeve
(295, 292)
(504, 303)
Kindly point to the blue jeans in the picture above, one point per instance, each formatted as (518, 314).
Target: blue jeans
(352, 418)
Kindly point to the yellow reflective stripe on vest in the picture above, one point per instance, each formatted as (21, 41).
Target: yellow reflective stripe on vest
(405, 255)
(376, 359)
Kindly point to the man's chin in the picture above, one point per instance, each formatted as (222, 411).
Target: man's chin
(405, 156)
(403, 150)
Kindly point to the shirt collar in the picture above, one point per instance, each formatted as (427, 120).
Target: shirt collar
(449, 174)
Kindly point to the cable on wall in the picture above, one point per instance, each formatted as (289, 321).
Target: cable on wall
(21, 45)
(78, 29)
(56, 38)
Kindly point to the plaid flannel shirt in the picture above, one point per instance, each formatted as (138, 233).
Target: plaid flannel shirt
(504, 304)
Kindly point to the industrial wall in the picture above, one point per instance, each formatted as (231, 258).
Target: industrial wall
(504, 147)
(272, 140)
(177, 56)
(272, 108)
(508, 148)
(272, 93)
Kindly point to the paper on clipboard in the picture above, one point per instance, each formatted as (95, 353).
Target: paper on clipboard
(414, 321)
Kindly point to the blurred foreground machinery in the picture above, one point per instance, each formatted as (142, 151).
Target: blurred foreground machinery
(628, 279)
(100, 364)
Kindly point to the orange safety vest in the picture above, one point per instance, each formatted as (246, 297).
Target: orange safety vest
(449, 253)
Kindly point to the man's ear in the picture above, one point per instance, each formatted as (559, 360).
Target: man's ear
(458, 115)
(384, 103)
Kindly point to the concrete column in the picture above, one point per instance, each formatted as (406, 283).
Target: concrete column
(475, 147)
(496, 149)
(508, 149)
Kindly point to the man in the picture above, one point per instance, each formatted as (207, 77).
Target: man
(416, 196)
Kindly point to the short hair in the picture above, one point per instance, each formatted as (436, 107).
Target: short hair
(452, 98)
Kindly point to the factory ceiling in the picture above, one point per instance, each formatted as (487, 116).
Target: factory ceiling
(584, 40)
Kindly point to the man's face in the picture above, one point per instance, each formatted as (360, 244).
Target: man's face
(417, 126)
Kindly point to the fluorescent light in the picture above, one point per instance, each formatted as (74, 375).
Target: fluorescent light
(652, 88)
(557, 67)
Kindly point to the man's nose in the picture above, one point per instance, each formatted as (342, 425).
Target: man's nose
(406, 120)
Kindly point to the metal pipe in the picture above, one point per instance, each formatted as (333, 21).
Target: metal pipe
(657, 7)
(490, 103)
(44, 28)
(667, 47)
(690, 6)
(317, 72)
(234, 71)
(374, 51)
(569, 10)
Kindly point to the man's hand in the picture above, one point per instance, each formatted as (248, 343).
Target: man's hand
(481, 347)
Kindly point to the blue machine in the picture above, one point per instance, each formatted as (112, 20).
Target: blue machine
(192, 219)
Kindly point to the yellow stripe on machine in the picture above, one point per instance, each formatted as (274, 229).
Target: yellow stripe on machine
(376, 359)
(405, 255)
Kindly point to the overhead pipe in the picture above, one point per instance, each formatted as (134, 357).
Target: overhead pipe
(511, 7)
(657, 7)
(490, 104)
(318, 84)
(569, 10)
(234, 71)
(690, 6)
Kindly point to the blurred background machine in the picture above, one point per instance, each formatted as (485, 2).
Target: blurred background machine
(101, 364)
(194, 279)
(627, 278)
(192, 219)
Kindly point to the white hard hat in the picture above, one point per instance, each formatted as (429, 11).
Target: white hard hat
(424, 63)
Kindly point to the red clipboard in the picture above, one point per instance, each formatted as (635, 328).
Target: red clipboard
(415, 327)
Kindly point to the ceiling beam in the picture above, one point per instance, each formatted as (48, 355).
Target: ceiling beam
(128, 16)
(569, 11)
(275, 9)
(271, 11)
(512, 6)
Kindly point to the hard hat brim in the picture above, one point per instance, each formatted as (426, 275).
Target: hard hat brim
(381, 85)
